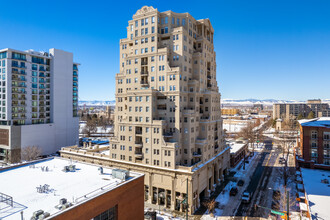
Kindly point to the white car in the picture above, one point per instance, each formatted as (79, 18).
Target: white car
(246, 197)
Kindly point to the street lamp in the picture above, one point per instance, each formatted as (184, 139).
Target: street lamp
(185, 201)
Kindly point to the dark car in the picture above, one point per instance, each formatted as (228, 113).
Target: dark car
(233, 191)
(240, 182)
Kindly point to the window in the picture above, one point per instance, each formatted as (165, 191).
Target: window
(152, 19)
(314, 134)
(110, 214)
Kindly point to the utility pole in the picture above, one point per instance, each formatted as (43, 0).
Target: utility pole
(287, 205)
(187, 201)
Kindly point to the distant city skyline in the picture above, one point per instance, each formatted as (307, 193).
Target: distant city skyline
(265, 50)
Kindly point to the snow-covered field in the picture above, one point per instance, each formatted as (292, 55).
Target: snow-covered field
(21, 183)
(233, 128)
(318, 193)
(99, 129)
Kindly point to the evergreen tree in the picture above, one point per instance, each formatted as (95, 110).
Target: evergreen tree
(300, 116)
(311, 115)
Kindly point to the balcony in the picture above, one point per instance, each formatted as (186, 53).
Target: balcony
(209, 85)
(208, 77)
(168, 134)
(197, 154)
(144, 73)
(144, 83)
(138, 154)
(138, 144)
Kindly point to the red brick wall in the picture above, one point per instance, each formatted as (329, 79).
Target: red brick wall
(305, 139)
(129, 198)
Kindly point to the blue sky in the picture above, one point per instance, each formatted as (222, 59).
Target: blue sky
(265, 49)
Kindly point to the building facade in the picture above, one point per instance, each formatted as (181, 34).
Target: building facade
(38, 101)
(168, 121)
(314, 141)
(293, 110)
(230, 111)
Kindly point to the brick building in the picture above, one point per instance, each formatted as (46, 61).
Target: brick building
(314, 143)
(59, 188)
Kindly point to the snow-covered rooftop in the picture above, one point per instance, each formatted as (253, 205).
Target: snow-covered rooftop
(236, 147)
(318, 193)
(316, 122)
(77, 186)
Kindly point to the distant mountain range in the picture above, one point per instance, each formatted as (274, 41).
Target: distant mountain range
(97, 103)
(223, 101)
(262, 101)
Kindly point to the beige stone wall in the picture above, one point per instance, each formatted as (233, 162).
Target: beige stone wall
(172, 181)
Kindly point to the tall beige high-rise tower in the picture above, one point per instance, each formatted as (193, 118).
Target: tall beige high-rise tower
(168, 119)
(167, 98)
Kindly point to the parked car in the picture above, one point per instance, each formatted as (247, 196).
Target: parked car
(246, 197)
(233, 191)
(240, 182)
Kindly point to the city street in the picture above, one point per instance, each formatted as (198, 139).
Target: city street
(259, 179)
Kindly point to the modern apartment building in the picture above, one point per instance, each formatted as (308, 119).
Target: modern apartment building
(314, 142)
(292, 110)
(168, 121)
(38, 101)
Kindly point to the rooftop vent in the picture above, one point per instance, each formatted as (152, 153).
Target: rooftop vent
(40, 214)
(70, 168)
(120, 174)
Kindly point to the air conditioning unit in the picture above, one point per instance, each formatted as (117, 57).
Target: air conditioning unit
(120, 174)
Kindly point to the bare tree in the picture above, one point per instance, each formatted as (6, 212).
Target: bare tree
(248, 133)
(31, 153)
(91, 126)
(210, 205)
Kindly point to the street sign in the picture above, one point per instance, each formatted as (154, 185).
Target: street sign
(277, 213)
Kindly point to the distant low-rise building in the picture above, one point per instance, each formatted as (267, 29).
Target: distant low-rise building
(314, 142)
(238, 150)
(293, 110)
(230, 111)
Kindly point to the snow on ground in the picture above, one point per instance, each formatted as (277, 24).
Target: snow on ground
(21, 183)
(229, 204)
(233, 128)
(99, 129)
(165, 216)
(318, 193)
